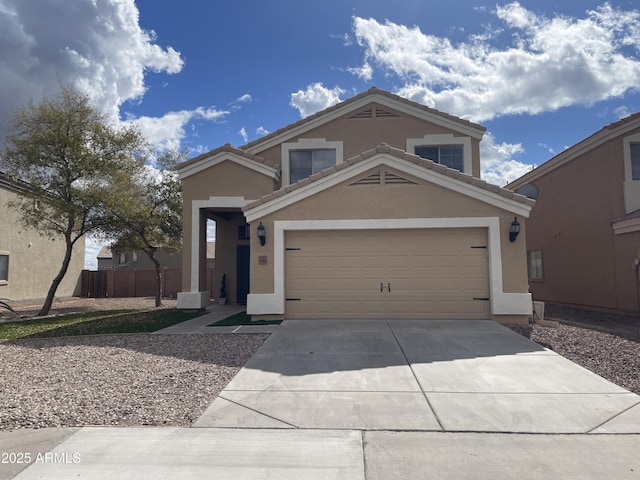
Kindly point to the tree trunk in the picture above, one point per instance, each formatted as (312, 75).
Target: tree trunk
(158, 281)
(58, 279)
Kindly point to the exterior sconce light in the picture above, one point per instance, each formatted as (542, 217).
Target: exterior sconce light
(262, 234)
(514, 231)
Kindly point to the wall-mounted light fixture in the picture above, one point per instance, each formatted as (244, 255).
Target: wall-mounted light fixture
(262, 234)
(514, 231)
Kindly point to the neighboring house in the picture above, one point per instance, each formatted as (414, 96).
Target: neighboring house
(583, 237)
(136, 260)
(355, 222)
(132, 274)
(29, 261)
(141, 261)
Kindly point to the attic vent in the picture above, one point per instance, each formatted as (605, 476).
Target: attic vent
(374, 179)
(368, 113)
(384, 178)
(393, 179)
(384, 114)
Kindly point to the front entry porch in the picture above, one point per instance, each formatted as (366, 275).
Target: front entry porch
(231, 252)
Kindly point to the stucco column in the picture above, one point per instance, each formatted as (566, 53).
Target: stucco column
(198, 296)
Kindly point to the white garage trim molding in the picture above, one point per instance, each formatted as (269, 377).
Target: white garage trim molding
(501, 303)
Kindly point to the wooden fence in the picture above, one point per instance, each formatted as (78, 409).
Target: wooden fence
(133, 283)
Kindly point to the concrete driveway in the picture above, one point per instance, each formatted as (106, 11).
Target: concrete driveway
(412, 375)
(375, 399)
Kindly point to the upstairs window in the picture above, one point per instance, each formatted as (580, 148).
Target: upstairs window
(451, 156)
(635, 160)
(304, 163)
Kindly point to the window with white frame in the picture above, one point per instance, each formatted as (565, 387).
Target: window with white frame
(4, 267)
(451, 156)
(444, 148)
(304, 163)
(307, 156)
(631, 186)
(534, 260)
(634, 150)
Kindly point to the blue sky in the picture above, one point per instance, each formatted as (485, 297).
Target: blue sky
(540, 76)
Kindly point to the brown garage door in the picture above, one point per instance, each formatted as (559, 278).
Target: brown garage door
(415, 273)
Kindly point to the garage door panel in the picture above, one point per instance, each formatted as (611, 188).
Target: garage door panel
(432, 274)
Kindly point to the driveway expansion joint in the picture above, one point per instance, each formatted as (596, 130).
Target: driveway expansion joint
(612, 418)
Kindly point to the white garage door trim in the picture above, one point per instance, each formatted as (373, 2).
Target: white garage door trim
(501, 303)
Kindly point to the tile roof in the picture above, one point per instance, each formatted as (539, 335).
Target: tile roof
(396, 152)
(628, 216)
(372, 91)
(227, 148)
(586, 143)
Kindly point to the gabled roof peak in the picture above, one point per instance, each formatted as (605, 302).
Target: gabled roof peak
(401, 154)
(227, 148)
(382, 95)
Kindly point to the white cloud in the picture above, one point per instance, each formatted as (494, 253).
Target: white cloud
(262, 131)
(365, 72)
(168, 131)
(622, 111)
(549, 63)
(243, 134)
(246, 98)
(315, 98)
(497, 163)
(99, 47)
(548, 148)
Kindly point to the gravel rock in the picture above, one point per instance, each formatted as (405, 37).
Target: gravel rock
(138, 379)
(605, 343)
(145, 379)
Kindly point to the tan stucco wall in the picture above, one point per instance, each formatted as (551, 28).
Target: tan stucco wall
(388, 202)
(362, 134)
(571, 224)
(34, 260)
(225, 179)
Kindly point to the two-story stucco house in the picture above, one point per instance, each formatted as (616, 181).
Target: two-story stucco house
(372, 208)
(29, 261)
(583, 237)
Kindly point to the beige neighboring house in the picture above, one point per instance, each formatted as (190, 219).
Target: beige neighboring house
(372, 208)
(583, 237)
(28, 261)
(141, 261)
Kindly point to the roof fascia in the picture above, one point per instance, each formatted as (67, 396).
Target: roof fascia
(335, 178)
(627, 225)
(357, 104)
(577, 150)
(220, 157)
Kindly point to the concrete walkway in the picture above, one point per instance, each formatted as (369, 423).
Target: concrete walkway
(375, 399)
(215, 313)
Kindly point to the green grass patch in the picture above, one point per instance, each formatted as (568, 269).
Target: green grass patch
(242, 318)
(95, 323)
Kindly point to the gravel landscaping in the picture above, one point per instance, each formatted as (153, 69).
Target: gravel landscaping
(136, 379)
(605, 343)
(145, 379)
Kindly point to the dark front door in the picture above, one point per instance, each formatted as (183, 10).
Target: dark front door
(242, 274)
